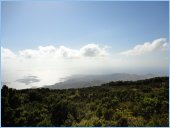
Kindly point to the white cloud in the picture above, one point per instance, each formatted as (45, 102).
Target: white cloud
(29, 53)
(65, 52)
(7, 54)
(158, 44)
(90, 50)
(46, 49)
(93, 50)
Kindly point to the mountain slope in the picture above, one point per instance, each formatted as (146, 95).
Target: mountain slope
(81, 81)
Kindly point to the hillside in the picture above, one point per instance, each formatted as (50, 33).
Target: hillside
(121, 103)
(81, 81)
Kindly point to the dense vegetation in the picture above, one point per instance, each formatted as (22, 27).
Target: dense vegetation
(140, 103)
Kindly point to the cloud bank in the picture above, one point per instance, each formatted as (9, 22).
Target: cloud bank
(89, 50)
(147, 47)
(7, 54)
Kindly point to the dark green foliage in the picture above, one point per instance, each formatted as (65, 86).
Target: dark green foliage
(59, 113)
(99, 113)
(122, 122)
(121, 103)
(107, 114)
(4, 92)
(34, 96)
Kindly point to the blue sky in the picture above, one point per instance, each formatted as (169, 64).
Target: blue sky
(120, 25)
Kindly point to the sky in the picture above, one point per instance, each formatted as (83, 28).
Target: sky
(45, 41)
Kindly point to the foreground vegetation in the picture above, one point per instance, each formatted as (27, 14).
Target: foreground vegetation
(140, 103)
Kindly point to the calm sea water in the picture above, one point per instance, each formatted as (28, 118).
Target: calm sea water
(21, 79)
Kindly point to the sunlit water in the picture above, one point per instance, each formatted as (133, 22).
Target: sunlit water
(21, 79)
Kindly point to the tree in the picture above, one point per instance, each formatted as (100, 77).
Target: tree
(4, 91)
(35, 96)
(122, 122)
(59, 113)
(107, 114)
(99, 113)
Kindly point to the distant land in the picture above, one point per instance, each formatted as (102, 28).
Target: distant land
(82, 81)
